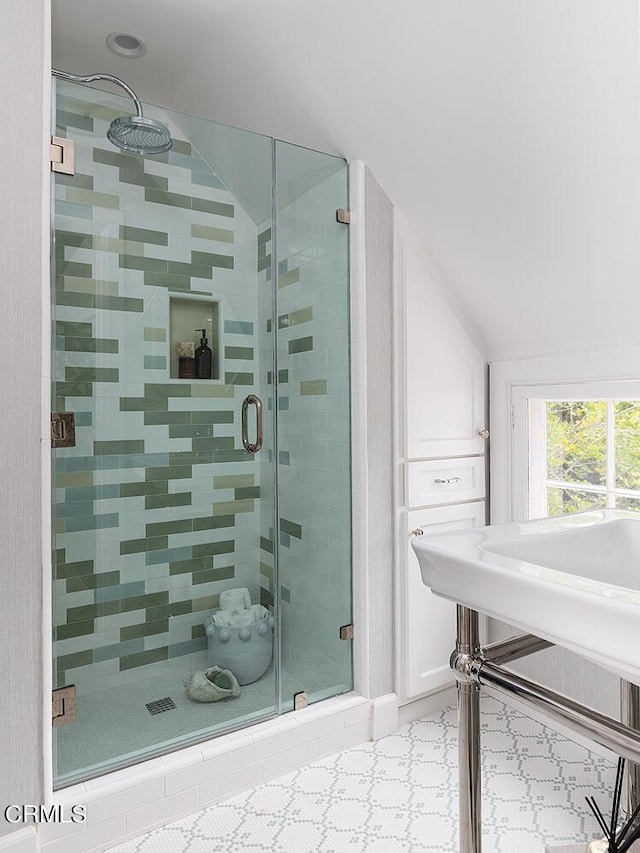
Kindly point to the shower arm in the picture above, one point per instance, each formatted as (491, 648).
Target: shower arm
(77, 78)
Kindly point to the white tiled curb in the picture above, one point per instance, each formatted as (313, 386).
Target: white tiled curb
(21, 841)
(132, 801)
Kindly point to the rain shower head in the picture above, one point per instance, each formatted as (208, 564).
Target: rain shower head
(136, 134)
(139, 135)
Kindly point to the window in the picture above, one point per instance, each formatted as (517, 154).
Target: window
(520, 391)
(583, 454)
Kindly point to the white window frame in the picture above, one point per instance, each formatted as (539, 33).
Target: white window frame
(593, 375)
(529, 418)
(538, 483)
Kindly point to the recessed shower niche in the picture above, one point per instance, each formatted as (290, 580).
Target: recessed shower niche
(159, 511)
(188, 316)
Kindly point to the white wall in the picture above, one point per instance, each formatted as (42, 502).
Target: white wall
(379, 324)
(24, 56)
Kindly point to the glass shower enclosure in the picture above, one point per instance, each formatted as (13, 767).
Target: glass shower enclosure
(176, 548)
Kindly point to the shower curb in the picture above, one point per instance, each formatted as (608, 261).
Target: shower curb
(19, 841)
(130, 802)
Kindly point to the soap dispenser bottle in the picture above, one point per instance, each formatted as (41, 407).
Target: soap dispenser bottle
(204, 358)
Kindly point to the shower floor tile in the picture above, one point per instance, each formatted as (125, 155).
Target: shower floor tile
(115, 723)
(399, 795)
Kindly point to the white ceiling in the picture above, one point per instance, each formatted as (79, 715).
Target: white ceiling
(508, 131)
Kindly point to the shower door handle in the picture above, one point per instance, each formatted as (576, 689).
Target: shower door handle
(252, 399)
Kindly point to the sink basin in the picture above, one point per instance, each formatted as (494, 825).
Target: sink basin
(573, 580)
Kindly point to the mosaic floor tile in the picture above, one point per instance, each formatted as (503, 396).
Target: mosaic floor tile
(399, 795)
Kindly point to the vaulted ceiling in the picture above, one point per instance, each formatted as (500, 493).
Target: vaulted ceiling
(507, 131)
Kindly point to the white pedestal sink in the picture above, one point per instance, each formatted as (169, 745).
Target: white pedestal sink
(573, 580)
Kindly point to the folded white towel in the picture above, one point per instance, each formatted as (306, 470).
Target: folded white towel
(226, 617)
(237, 618)
(235, 599)
(259, 612)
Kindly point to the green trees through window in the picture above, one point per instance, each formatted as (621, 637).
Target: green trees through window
(592, 455)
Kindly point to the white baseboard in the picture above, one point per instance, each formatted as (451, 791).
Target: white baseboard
(426, 705)
(384, 716)
(387, 714)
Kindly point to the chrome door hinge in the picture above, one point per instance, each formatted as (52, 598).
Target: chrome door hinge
(63, 429)
(346, 632)
(62, 155)
(343, 215)
(512, 419)
(63, 705)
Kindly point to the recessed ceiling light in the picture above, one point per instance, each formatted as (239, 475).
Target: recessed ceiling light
(125, 44)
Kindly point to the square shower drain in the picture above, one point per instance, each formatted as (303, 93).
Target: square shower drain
(158, 706)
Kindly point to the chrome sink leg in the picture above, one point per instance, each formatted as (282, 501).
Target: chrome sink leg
(462, 662)
(630, 716)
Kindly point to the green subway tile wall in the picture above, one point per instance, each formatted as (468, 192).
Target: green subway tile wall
(159, 508)
(155, 505)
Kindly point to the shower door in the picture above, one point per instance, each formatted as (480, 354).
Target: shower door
(158, 507)
(313, 424)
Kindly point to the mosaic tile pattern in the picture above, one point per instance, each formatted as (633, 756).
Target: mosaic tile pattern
(400, 794)
(88, 746)
(130, 732)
